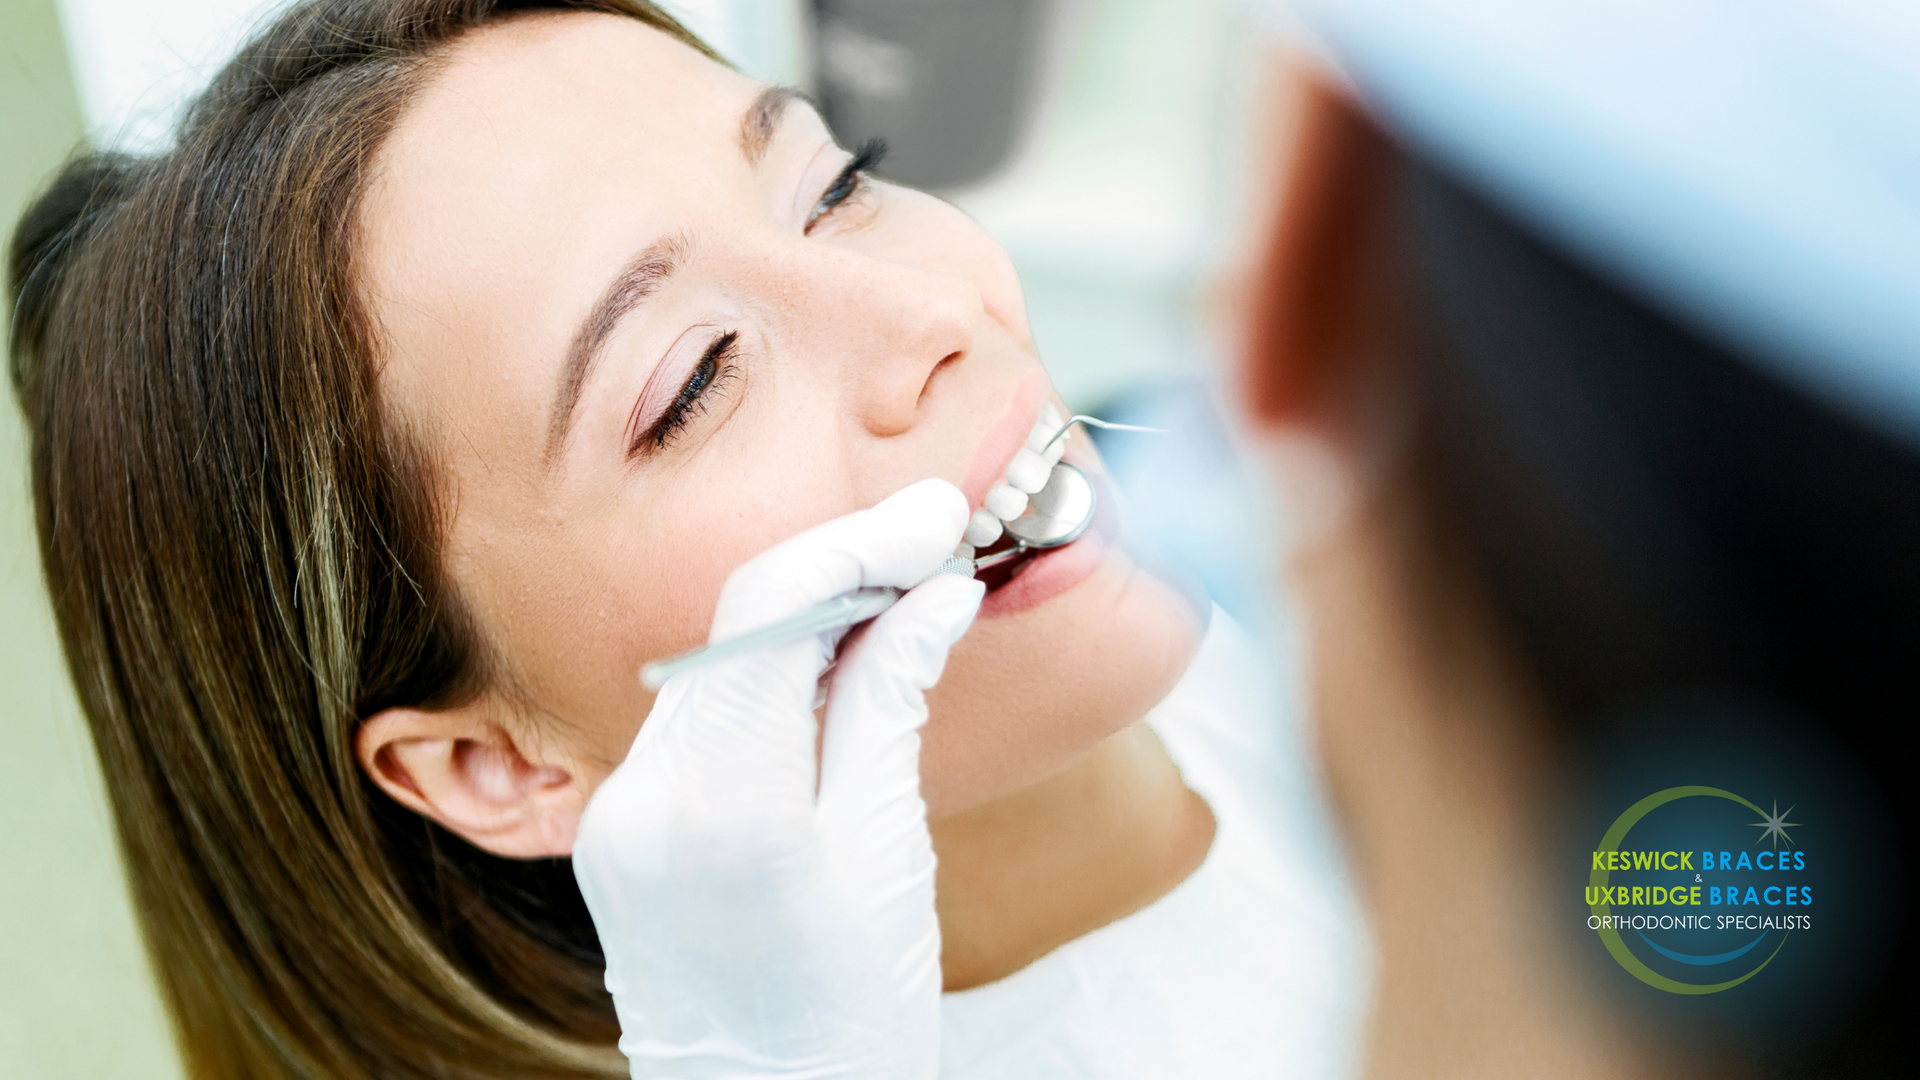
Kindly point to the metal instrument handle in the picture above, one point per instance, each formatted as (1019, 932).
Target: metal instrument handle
(847, 609)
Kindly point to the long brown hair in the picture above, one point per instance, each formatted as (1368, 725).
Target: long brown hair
(243, 556)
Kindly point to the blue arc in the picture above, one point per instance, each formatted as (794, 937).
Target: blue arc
(1703, 961)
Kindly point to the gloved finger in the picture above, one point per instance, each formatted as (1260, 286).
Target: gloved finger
(870, 753)
(746, 726)
(897, 542)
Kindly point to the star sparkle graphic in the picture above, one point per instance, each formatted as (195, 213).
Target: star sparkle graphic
(1776, 826)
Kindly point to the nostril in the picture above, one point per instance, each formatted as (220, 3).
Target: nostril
(950, 358)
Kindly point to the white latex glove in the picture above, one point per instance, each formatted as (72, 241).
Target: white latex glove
(754, 926)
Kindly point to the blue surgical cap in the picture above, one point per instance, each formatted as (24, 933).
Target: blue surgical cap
(1751, 167)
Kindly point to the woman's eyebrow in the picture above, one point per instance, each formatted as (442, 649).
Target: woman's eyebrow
(641, 277)
(762, 119)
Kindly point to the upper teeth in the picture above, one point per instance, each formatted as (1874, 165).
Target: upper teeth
(1026, 474)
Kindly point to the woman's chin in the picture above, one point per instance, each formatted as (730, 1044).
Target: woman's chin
(1077, 647)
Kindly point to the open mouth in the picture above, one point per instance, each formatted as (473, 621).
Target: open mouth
(1049, 520)
(1056, 516)
(1036, 576)
(1000, 574)
(1083, 523)
(1022, 491)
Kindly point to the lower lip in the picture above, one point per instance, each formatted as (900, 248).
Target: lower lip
(1051, 573)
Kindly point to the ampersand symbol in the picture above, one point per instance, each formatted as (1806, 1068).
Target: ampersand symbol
(1696, 877)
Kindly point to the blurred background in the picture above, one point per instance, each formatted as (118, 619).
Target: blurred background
(1103, 142)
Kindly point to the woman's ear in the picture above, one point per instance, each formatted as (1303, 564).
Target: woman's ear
(468, 772)
(1324, 298)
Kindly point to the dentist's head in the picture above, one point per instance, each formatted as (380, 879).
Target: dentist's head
(1585, 338)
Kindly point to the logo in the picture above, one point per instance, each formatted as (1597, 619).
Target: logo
(1696, 905)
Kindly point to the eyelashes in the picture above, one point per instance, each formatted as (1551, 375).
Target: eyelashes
(851, 181)
(715, 369)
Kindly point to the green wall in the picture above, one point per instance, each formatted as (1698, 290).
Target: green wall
(76, 999)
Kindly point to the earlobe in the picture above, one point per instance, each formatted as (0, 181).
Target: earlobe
(1316, 291)
(466, 771)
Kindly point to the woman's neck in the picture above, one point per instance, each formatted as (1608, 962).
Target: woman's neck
(1027, 873)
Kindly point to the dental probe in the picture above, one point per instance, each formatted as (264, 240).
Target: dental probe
(1094, 421)
(1060, 512)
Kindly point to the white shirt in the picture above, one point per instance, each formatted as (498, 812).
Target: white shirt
(1252, 967)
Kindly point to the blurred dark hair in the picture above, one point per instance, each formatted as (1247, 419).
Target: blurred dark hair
(243, 557)
(1652, 514)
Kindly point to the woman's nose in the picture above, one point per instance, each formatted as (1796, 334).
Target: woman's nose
(891, 325)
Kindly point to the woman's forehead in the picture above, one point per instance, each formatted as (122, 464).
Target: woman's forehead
(564, 92)
(536, 157)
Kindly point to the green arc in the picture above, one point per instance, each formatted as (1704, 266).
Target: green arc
(1610, 936)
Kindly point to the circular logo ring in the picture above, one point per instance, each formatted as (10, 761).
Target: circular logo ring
(1610, 935)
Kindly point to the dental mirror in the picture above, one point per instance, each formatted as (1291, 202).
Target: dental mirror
(1058, 513)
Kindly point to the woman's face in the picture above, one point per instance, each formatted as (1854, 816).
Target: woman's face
(649, 325)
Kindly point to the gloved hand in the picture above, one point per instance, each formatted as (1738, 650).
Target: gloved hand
(756, 925)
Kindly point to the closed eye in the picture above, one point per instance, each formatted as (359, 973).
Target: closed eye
(850, 182)
(714, 370)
